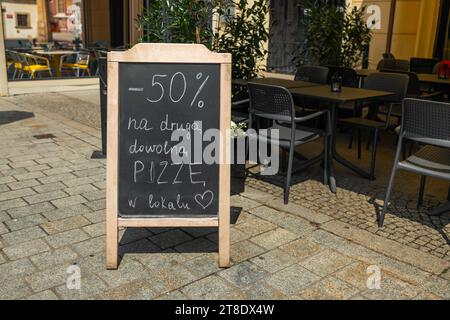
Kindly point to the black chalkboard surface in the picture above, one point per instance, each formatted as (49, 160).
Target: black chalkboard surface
(155, 99)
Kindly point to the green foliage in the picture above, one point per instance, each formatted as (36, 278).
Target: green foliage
(243, 35)
(177, 21)
(334, 35)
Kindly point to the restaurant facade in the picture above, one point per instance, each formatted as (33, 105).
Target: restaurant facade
(406, 28)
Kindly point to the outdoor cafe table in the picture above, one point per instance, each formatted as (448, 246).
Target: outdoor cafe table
(55, 58)
(323, 94)
(423, 77)
(288, 84)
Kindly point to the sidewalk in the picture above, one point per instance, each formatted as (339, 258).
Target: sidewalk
(52, 213)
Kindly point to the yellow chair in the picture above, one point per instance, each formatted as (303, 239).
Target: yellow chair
(78, 63)
(14, 61)
(34, 65)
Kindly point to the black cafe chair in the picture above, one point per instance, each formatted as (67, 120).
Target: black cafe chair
(275, 104)
(316, 74)
(382, 81)
(428, 123)
(423, 65)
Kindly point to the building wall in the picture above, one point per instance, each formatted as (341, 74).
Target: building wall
(9, 19)
(414, 29)
(98, 22)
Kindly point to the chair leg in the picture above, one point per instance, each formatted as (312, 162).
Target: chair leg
(325, 160)
(359, 145)
(374, 154)
(390, 185)
(289, 175)
(352, 134)
(423, 181)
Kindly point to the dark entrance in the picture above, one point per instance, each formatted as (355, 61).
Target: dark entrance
(442, 50)
(119, 13)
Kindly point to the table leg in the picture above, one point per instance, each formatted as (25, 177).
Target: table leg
(332, 148)
(334, 153)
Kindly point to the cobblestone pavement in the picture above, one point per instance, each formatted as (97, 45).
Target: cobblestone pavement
(320, 246)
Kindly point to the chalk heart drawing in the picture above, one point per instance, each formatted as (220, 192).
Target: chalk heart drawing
(205, 199)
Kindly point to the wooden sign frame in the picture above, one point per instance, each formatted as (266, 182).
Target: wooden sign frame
(173, 54)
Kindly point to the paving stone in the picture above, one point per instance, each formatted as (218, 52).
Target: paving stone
(16, 269)
(66, 212)
(25, 222)
(7, 179)
(4, 188)
(134, 290)
(25, 249)
(129, 270)
(44, 296)
(43, 197)
(73, 183)
(90, 246)
(23, 184)
(97, 216)
(262, 291)
(274, 239)
(91, 286)
(95, 195)
(97, 204)
(325, 262)
(57, 178)
(33, 209)
(200, 245)
(69, 201)
(256, 226)
(80, 189)
(29, 175)
(293, 224)
(4, 216)
(292, 280)
(243, 274)
(133, 234)
(329, 289)
(10, 204)
(3, 229)
(57, 257)
(70, 223)
(24, 235)
(203, 266)
(10, 195)
(392, 289)
(65, 238)
(212, 288)
(244, 250)
(12, 289)
(96, 230)
(49, 278)
(244, 203)
(438, 286)
(45, 188)
(170, 239)
(174, 295)
(56, 171)
(274, 260)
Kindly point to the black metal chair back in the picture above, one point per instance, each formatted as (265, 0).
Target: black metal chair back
(393, 64)
(348, 75)
(422, 65)
(396, 83)
(271, 102)
(426, 122)
(314, 74)
(414, 82)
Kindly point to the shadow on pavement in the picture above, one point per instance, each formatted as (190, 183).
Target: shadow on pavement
(7, 117)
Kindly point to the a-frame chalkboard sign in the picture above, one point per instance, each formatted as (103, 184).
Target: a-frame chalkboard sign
(156, 91)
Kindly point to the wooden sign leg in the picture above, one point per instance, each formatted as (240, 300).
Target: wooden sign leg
(224, 242)
(112, 242)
